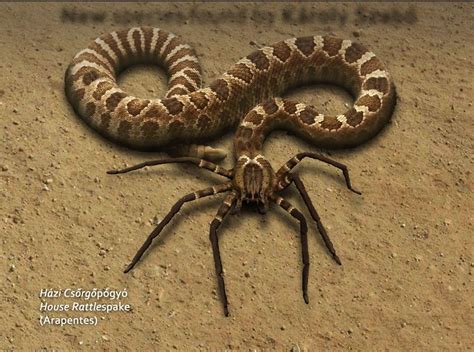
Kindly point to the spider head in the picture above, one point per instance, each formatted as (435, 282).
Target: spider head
(253, 181)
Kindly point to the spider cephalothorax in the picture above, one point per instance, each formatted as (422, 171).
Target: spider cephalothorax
(251, 181)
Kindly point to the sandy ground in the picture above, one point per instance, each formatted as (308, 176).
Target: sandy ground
(406, 243)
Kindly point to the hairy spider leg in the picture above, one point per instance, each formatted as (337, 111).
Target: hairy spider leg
(176, 207)
(224, 209)
(290, 209)
(290, 164)
(203, 164)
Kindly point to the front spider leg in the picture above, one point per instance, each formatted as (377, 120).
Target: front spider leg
(304, 239)
(290, 164)
(203, 164)
(221, 213)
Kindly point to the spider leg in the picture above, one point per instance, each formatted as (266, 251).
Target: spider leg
(304, 239)
(221, 213)
(203, 164)
(314, 214)
(176, 207)
(290, 164)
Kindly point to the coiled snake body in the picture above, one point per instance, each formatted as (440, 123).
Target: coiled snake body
(245, 97)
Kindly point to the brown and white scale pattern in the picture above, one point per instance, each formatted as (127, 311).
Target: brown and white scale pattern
(189, 113)
(246, 95)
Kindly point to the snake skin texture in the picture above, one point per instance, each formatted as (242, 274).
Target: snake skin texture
(190, 114)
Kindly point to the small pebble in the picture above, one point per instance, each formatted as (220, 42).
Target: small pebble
(156, 220)
(105, 338)
(295, 348)
(4, 168)
(45, 187)
(49, 181)
(247, 274)
(356, 34)
(12, 268)
(161, 292)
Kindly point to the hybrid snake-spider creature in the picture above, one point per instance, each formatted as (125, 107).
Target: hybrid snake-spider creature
(253, 180)
(246, 96)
